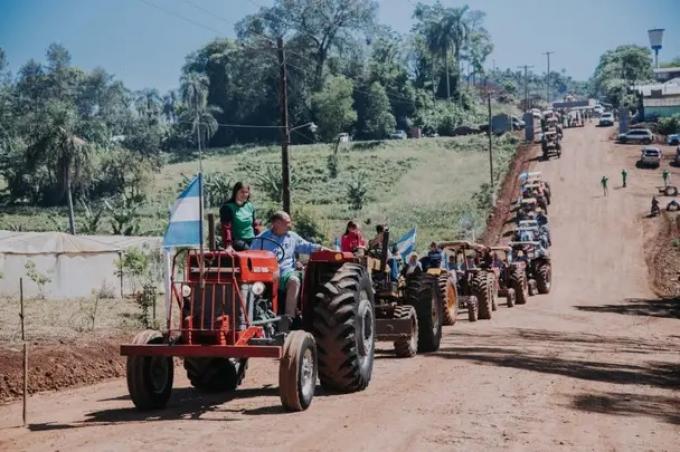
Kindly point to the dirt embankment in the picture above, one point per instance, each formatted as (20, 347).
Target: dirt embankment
(54, 366)
(663, 256)
(508, 193)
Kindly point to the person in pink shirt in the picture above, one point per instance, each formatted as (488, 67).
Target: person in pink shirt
(352, 239)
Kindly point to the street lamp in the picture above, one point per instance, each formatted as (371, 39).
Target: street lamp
(655, 38)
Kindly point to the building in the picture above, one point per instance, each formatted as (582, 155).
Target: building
(664, 74)
(660, 100)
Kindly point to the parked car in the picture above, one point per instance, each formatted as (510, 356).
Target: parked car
(517, 123)
(644, 136)
(398, 135)
(672, 140)
(650, 156)
(606, 120)
(676, 161)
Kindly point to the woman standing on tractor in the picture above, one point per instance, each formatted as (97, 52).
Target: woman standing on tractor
(237, 219)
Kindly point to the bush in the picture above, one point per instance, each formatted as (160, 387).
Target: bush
(670, 125)
(308, 225)
(357, 192)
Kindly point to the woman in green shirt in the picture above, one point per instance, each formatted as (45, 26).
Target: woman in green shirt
(237, 219)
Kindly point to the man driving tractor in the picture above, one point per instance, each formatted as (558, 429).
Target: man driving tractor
(280, 239)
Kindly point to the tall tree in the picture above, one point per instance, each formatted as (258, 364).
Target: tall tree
(194, 91)
(333, 107)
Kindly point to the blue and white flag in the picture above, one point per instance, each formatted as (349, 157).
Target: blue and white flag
(184, 230)
(407, 244)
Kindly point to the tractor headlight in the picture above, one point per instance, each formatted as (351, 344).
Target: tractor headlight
(186, 291)
(258, 288)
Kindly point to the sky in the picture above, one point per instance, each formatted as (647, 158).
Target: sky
(144, 42)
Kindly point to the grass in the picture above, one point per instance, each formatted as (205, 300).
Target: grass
(431, 183)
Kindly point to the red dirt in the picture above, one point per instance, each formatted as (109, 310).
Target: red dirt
(663, 258)
(58, 366)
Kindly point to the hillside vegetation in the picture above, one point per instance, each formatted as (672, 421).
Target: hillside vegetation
(431, 183)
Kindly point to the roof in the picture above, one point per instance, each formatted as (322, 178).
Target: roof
(51, 243)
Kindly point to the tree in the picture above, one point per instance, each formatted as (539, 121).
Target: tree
(675, 62)
(618, 69)
(195, 97)
(377, 120)
(332, 107)
(320, 24)
(56, 142)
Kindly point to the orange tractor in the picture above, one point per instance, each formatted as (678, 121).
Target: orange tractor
(227, 310)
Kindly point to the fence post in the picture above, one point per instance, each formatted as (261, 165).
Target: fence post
(23, 339)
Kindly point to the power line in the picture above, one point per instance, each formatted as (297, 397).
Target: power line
(180, 16)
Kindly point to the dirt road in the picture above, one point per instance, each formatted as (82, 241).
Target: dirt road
(592, 366)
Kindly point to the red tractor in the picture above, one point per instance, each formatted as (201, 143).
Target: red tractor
(227, 309)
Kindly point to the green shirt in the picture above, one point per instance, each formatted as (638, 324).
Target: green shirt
(241, 219)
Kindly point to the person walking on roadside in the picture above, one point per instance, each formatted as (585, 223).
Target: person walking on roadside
(666, 178)
(604, 181)
(624, 176)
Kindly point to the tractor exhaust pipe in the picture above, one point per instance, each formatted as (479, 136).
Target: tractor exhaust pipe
(385, 244)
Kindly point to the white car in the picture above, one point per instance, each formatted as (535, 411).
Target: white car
(650, 156)
(644, 136)
(607, 119)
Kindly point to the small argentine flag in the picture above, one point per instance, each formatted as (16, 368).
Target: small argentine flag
(184, 230)
(407, 244)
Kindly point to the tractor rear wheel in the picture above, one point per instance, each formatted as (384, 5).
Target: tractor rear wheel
(149, 378)
(492, 288)
(344, 329)
(449, 297)
(544, 277)
(510, 297)
(215, 374)
(473, 308)
(422, 293)
(518, 281)
(481, 290)
(298, 371)
(407, 347)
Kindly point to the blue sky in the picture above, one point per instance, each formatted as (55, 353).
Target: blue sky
(144, 42)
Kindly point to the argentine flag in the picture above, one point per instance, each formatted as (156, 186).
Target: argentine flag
(407, 244)
(184, 230)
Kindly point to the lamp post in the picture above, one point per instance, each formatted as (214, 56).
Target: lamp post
(655, 38)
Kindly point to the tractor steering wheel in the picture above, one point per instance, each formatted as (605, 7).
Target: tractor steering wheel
(280, 253)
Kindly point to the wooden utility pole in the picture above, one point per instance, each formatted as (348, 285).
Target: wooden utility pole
(23, 339)
(526, 86)
(285, 131)
(490, 145)
(547, 78)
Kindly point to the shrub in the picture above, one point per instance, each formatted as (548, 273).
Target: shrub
(670, 125)
(357, 192)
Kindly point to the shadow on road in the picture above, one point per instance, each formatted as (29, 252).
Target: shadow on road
(653, 307)
(623, 404)
(185, 403)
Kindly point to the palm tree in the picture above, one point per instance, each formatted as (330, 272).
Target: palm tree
(148, 104)
(57, 143)
(194, 91)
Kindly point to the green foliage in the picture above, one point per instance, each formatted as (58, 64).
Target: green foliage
(124, 212)
(357, 191)
(669, 125)
(376, 116)
(135, 264)
(216, 188)
(40, 279)
(89, 223)
(309, 225)
(617, 69)
(332, 107)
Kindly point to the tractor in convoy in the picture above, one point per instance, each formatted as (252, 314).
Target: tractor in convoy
(510, 279)
(409, 309)
(474, 279)
(534, 260)
(226, 309)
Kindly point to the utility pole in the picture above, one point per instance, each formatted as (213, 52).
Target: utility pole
(285, 131)
(547, 77)
(493, 192)
(526, 86)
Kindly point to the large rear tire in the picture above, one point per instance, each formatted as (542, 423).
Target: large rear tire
(422, 293)
(407, 347)
(481, 290)
(215, 374)
(544, 277)
(298, 371)
(473, 308)
(518, 281)
(344, 329)
(449, 296)
(149, 378)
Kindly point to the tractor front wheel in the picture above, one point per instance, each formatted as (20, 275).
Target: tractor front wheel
(344, 329)
(423, 294)
(298, 371)
(149, 378)
(510, 297)
(449, 297)
(518, 281)
(481, 290)
(543, 277)
(407, 347)
(472, 308)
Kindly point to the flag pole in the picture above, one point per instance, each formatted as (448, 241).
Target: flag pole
(200, 200)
